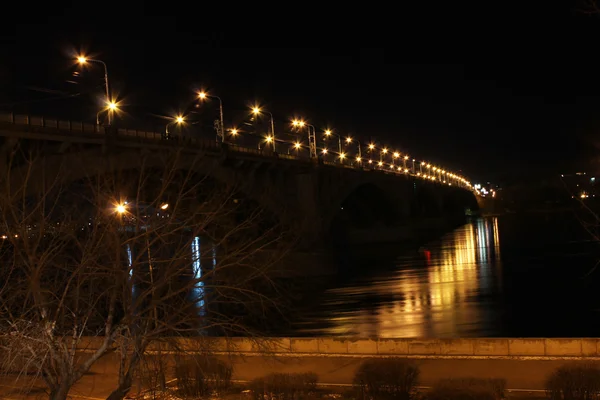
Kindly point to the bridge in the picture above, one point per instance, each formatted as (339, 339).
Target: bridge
(320, 193)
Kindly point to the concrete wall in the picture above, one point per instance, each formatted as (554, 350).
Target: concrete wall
(541, 348)
(459, 348)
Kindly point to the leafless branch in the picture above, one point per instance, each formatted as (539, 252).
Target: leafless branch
(181, 258)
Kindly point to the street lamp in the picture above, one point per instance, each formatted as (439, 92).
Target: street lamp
(111, 107)
(312, 138)
(121, 208)
(180, 119)
(349, 140)
(257, 111)
(370, 151)
(383, 152)
(221, 130)
(328, 133)
(82, 60)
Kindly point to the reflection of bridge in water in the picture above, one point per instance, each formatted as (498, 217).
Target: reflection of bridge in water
(317, 196)
(432, 295)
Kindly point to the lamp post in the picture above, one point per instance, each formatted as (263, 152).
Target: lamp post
(257, 111)
(82, 60)
(328, 133)
(383, 152)
(180, 119)
(312, 138)
(349, 140)
(110, 107)
(371, 149)
(221, 130)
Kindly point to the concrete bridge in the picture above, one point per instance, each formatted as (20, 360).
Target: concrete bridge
(322, 198)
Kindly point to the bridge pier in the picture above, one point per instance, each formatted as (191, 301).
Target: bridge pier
(308, 219)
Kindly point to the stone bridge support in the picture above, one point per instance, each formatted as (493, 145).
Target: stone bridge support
(308, 198)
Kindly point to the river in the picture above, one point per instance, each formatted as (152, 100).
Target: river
(507, 276)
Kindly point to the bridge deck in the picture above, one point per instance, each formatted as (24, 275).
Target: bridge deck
(41, 128)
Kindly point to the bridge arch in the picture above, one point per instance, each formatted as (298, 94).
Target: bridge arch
(456, 201)
(73, 167)
(427, 202)
(362, 204)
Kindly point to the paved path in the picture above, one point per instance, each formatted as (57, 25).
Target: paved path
(521, 375)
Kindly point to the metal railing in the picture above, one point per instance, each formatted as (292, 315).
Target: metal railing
(55, 126)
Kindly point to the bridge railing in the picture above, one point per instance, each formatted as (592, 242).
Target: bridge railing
(41, 122)
(49, 125)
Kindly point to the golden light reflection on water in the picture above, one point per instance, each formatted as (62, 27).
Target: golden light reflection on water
(431, 295)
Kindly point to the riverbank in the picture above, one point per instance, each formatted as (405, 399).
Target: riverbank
(525, 364)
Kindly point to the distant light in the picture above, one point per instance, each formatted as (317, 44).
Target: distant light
(81, 60)
(234, 132)
(164, 206)
(112, 105)
(297, 145)
(121, 209)
(202, 95)
(269, 139)
(324, 151)
(371, 146)
(358, 159)
(406, 157)
(396, 154)
(348, 139)
(256, 110)
(342, 156)
(327, 132)
(384, 150)
(179, 119)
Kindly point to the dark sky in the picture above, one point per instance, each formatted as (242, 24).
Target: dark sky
(498, 104)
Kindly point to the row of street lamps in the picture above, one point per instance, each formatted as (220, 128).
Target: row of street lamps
(431, 172)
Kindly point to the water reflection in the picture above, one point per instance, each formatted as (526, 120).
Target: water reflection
(440, 292)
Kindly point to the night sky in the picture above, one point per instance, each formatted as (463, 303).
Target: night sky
(522, 103)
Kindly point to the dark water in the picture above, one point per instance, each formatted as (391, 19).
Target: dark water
(517, 276)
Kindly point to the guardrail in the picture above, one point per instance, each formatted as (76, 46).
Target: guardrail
(49, 125)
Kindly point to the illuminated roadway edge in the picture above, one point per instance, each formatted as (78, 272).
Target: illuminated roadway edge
(45, 128)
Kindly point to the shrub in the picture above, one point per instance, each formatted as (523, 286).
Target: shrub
(388, 378)
(201, 375)
(574, 382)
(152, 378)
(284, 386)
(468, 389)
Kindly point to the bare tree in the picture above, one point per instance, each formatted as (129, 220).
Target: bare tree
(112, 260)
